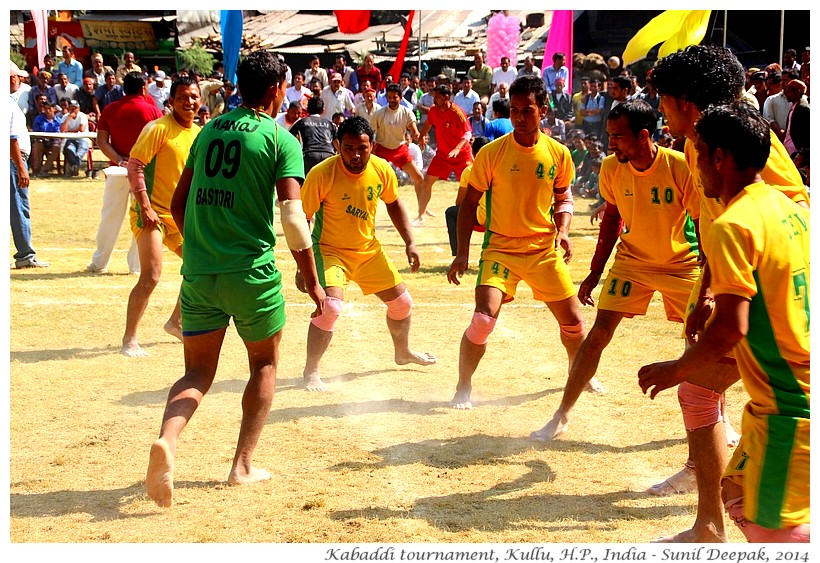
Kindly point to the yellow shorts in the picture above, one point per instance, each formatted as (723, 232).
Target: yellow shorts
(371, 270)
(171, 237)
(544, 271)
(771, 464)
(629, 291)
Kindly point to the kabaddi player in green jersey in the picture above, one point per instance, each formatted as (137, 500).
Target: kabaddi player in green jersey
(759, 252)
(224, 205)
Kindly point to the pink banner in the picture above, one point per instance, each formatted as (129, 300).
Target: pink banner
(559, 40)
(40, 18)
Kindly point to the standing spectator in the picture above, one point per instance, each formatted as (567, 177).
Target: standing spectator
(97, 70)
(74, 149)
(20, 92)
(368, 106)
(315, 70)
(503, 74)
(426, 101)
(337, 98)
(529, 67)
(758, 89)
(232, 98)
(19, 209)
(562, 103)
(466, 97)
(592, 109)
(797, 128)
(349, 77)
(108, 93)
(204, 115)
(48, 65)
(316, 134)
(127, 66)
(118, 127)
(578, 100)
(481, 76)
(212, 93)
(64, 88)
(369, 71)
(501, 125)
(298, 92)
(71, 67)
(776, 107)
(46, 122)
(501, 94)
(159, 89)
(288, 118)
(790, 61)
(557, 70)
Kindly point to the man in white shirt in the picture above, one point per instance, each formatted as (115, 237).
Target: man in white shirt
(74, 150)
(389, 124)
(288, 118)
(776, 107)
(466, 97)
(500, 94)
(337, 98)
(504, 73)
(65, 89)
(298, 92)
(20, 90)
(159, 90)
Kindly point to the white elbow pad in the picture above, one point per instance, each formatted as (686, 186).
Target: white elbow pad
(295, 225)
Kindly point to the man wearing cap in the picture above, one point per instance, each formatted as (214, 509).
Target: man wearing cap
(97, 70)
(159, 90)
(337, 98)
(20, 93)
(797, 128)
(71, 67)
(86, 98)
(368, 106)
(74, 150)
(19, 211)
(117, 130)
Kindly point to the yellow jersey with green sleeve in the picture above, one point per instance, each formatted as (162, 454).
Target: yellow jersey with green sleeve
(780, 173)
(163, 146)
(759, 249)
(343, 204)
(518, 183)
(658, 206)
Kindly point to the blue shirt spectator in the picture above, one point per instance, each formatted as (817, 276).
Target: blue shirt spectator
(71, 67)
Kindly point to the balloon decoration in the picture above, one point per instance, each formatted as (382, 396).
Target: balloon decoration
(503, 37)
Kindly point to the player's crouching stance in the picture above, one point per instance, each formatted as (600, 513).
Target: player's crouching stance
(759, 255)
(525, 174)
(341, 196)
(226, 214)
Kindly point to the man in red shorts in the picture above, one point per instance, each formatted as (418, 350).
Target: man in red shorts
(453, 153)
(389, 125)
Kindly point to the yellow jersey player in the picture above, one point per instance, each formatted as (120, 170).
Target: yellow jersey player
(341, 195)
(759, 251)
(154, 167)
(526, 177)
(649, 190)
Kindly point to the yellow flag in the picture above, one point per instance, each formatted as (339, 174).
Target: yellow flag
(675, 28)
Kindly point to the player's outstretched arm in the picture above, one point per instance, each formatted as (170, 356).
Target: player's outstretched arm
(730, 325)
(398, 215)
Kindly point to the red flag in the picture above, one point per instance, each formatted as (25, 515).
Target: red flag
(352, 21)
(395, 70)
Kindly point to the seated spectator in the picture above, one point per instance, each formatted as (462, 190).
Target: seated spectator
(74, 150)
(46, 122)
(500, 94)
(109, 92)
(590, 188)
(86, 98)
(554, 126)
(40, 86)
(64, 88)
(477, 120)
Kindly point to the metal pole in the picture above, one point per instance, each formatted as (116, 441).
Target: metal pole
(418, 13)
(725, 16)
(782, 27)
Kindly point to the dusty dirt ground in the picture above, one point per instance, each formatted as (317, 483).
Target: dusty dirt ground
(379, 458)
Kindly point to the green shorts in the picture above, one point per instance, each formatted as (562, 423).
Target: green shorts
(252, 297)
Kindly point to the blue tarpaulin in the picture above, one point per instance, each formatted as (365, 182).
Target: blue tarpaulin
(230, 22)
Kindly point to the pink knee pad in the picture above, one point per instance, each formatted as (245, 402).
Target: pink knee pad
(332, 309)
(399, 308)
(700, 406)
(573, 332)
(480, 329)
(756, 533)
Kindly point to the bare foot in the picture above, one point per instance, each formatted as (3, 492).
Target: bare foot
(313, 382)
(160, 478)
(683, 481)
(707, 535)
(132, 349)
(429, 213)
(253, 475)
(420, 358)
(417, 222)
(174, 330)
(554, 428)
(595, 387)
(461, 400)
